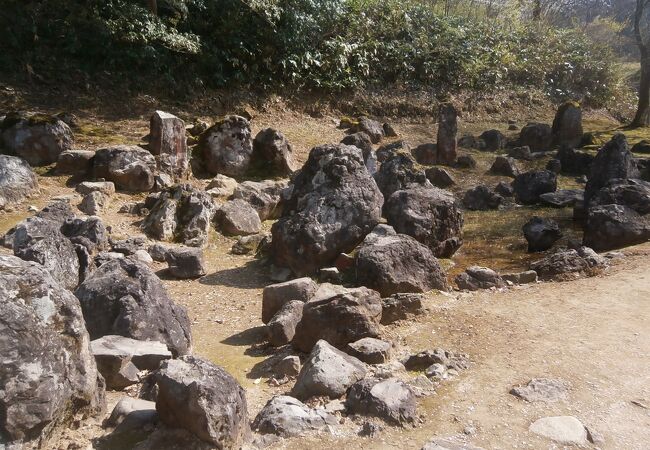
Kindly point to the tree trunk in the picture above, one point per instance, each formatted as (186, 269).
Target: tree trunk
(642, 117)
(153, 7)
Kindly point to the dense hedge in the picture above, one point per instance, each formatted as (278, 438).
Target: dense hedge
(326, 44)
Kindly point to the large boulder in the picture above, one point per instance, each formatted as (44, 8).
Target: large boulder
(391, 400)
(17, 181)
(181, 213)
(632, 193)
(339, 318)
(613, 161)
(333, 205)
(537, 136)
(39, 239)
(272, 153)
(428, 214)
(567, 125)
(227, 147)
(39, 139)
(395, 264)
(168, 143)
(204, 399)
(614, 226)
(541, 233)
(446, 144)
(399, 172)
(327, 372)
(124, 297)
(130, 167)
(481, 198)
(530, 185)
(263, 196)
(48, 376)
(287, 417)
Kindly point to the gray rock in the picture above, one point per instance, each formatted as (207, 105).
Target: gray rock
(17, 181)
(282, 326)
(476, 277)
(521, 153)
(568, 263)
(132, 413)
(634, 194)
(221, 186)
(48, 377)
(275, 296)
(202, 398)
(130, 167)
(541, 233)
(398, 264)
(370, 350)
(526, 277)
(613, 161)
(574, 162)
(440, 177)
(227, 147)
(145, 355)
(481, 198)
(288, 366)
(529, 186)
(615, 226)
(491, 141)
(389, 130)
(504, 189)
(75, 162)
(273, 153)
(542, 390)
(426, 154)
(124, 297)
(168, 143)
(362, 141)
(182, 214)
(425, 359)
(428, 214)
(562, 429)
(398, 172)
(465, 162)
(372, 128)
(447, 131)
(504, 166)
(641, 147)
(537, 136)
(94, 204)
(387, 151)
(237, 217)
(255, 243)
(562, 198)
(327, 372)
(338, 319)
(185, 262)
(554, 165)
(38, 139)
(390, 400)
(89, 232)
(567, 125)
(401, 307)
(333, 205)
(438, 443)
(263, 196)
(158, 252)
(87, 187)
(286, 416)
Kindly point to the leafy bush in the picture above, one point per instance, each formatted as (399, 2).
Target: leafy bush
(314, 44)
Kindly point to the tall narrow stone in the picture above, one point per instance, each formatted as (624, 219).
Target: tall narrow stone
(447, 131)
(168, 144)
(567, 125)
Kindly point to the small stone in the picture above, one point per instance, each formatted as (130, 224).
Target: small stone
(369, 429)
(287, 416)
(370, 350)
(143, 256)
(93, 204)
(105, 187)
(185, 262)
(329, 275)
(288, 366)
(562, 429)
(158, 252)
(542, 390)
(236, 218)
(282, 327)
(436, 370)
(275, 296)
(390, 400)
(401, 307)
(526, 277)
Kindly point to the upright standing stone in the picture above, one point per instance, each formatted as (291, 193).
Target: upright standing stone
(567, 125)
(447, 130)
(168, 144)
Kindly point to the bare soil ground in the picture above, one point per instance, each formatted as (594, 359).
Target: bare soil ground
(594, 333)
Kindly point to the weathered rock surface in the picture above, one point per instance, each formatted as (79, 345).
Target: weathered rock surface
(521, 153)
(38, 139)
(567, 125)
(282, 326)
(428, 214)
(48, 374)
(505, 166)
(445, 358)
(145, 355)
(263, 196)
(286, 416)
(94, 204)
(372, 128)
(481, 198)
(574, 162)
(476, 277)
(132, 414)
(88, 187)
(565, 430)
(530, 185)
(504, 189)
(17, 181)
(568, 263)
(438, 443)
(447, 131)
(333, 205)
(397, 264)
(537, 136)
(168, 143)
(370, 350)
(124, 297)
(426, 154)
(273, 153)
(75, 162)
(541, 233)
(340, 318)
(275, 296)
(542, 390)
(227, 147)
(390, 400)
(182, 214)
(328, 372)
(562, 198)
(204, 399)
(491, 140)
(613, 161)
(615, 226)
(185, 262)
(397, 173)
(362, 141)
(641, 147)
(401, 307)
(130, 167)
(221, 186)
(466, 162)
(387, 151)
(440, 177)
(236, 218)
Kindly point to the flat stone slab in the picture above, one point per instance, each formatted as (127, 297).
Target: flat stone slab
(562, 429)
(542, 390)
(563, 198)
(145, 355)
(448, 444)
